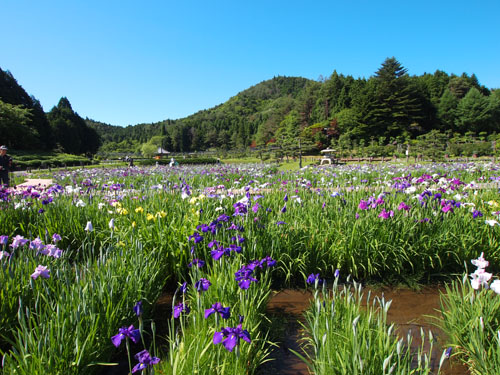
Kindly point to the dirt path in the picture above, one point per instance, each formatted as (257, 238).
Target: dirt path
(35, 182)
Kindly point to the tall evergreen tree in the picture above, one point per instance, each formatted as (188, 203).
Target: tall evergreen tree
(396, 110)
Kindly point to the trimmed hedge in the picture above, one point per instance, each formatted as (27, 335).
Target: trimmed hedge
(179, 161)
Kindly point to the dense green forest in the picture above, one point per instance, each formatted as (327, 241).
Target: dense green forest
(390, 107)
(25, 126)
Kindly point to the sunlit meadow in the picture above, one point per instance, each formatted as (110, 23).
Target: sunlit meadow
(84, 261)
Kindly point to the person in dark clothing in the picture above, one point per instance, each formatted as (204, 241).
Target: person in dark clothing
(5, 165)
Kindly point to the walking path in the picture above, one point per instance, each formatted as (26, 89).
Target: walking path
(35, 182)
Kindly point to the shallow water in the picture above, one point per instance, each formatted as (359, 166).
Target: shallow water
(410, 310)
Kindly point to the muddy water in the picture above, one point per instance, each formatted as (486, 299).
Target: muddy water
(410, 310)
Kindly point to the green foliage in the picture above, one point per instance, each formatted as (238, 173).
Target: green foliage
(34, 127)
(344, 338)
(71, 133)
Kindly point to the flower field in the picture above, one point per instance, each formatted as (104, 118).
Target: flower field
(84, 261)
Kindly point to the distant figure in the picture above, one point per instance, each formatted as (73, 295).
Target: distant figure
(130, 162)
(172, 162)
(5, 166)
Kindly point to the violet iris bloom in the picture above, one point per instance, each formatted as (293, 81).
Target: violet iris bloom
(37, 244)
(202, 285)
(138, 308)
(145, 360)
(56, 238)
(403, 206)
(217, 308)
(196, 237)
(283, 210)
(230, 337)
(311, 279)
(197, 262)
(179, 308)
(123, 332)
(183, 287)
(476, 214)
(18, 241)
(4, 240)
(386, 214)
(42, 271)
(363, 205)
(219, 252)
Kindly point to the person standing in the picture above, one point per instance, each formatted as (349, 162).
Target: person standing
(5, 165)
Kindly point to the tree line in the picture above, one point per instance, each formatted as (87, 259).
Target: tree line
(25, 126)
(390, 107)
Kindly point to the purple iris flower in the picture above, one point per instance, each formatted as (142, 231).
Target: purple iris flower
(239, 239)
(37, 244)
(129, 332)
(240, 209)
(196, 237)
(197, 262)
(283, 210)
(18, 241)
(179, 308)
(183, 287)
(145, 360)
(244, 276)
(447, 353)
(219, 252)
(230, 337)
(213, 243)
(311, 279)
(223, 218)
(56, 238)
(235, 248)
(255, 207)
(363, 205)
(270, 262)
(286, 198)
(202, 285)
(217, 308)
(138, 308)
(476, 214)
(403, 206)
(4, 240)
(280, 222)
(447, 208)
(336, 273)
(203, 227)
(386, 214)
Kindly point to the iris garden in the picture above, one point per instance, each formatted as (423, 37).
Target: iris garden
(84, 261)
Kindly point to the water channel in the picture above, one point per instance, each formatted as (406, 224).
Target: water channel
(410, 310)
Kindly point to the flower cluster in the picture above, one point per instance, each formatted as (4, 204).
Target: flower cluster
(480, 277)
(244, 276)
(230, 337)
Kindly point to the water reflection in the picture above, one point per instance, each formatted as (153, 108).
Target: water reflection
(410, 310)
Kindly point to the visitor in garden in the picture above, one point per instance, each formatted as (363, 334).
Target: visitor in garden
(5, 165)
(172, 162)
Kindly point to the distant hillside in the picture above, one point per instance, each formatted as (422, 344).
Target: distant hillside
(387, 107)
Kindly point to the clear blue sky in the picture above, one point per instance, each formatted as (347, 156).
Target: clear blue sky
(127, 62)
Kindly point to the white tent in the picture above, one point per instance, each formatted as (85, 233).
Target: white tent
(162, 151)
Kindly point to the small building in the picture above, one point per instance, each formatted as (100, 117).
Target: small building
(161, 152)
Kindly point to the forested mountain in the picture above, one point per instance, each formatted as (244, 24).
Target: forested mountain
(391, 105)
(25, 126)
